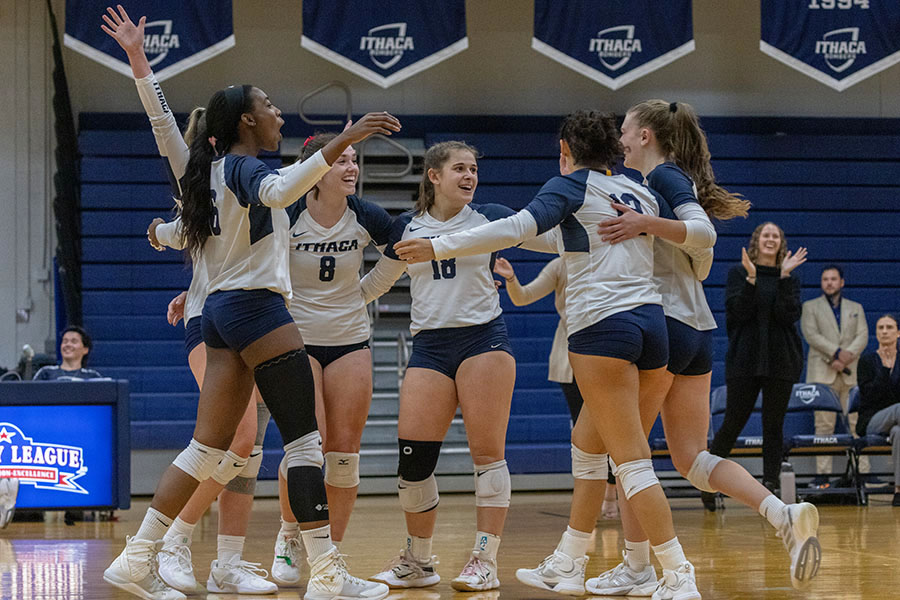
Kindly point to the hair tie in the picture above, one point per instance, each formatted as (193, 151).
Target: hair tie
(673, 107)
(308, 140)
(212, 142)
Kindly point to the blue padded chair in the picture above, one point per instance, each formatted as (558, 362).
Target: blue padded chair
(870, 444)
(750, 441)
(800, 431)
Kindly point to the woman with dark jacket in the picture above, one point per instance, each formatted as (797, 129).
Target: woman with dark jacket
(879, 392)
(762, 307)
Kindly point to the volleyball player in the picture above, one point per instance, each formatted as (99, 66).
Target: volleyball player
(330, 229)
(234, 480)
(618, 344)
(461, 357)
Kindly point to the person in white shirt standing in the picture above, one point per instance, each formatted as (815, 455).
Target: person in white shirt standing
(837, 333)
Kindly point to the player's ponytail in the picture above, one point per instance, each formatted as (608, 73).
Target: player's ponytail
(216, 137)
(435, 157)
(196, 124)
(680, 138)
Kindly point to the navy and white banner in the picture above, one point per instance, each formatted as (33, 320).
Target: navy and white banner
(388, 41)
(836, 42)
(613, 41)
(177, 36)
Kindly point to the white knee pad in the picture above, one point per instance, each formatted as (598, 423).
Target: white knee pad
(589, 466)
(254, 462)
(303, 452)
(342, 469)
(701, 469)
(198, 461)
(492, 485)
(230, 465)
(636, 476)
(418, 496)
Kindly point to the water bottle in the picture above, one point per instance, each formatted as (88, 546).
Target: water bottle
(788, 484)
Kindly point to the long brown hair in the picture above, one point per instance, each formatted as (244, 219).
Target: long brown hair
(753, 249)
(680, 137)
(435, 157)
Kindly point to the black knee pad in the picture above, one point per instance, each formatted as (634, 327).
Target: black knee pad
(306, 492)
(417, 459)
(287, 387)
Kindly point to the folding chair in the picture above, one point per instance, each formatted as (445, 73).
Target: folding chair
(870, 445)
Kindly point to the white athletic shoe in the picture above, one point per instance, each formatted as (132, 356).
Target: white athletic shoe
(288, 561)
(406, 572)
(622, 580)
(9, 491)
(135, 571)
(799, 536)
(329, 580)
(238, 577)
(679, 584)
(478, 575)
(175, 566)
(558, 573)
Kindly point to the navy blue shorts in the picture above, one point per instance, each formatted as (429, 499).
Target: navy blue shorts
(690, 350)
(193, 334)
(326, 355)
(443, 350)
(638, 335)
(237, 318)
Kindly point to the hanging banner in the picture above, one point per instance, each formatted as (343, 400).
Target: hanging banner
(177, 35)
(613, 41)
(384, 42)
(836, 42)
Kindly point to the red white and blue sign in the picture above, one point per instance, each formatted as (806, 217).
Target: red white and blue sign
(177, 35)
(613, 42)
(388, 41)
(836, 42)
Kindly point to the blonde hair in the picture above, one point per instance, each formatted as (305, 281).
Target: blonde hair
(680, 137)
(435, 157)
(196, 124)
(753, 250)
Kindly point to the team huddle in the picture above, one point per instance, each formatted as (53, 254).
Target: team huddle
(276, 324)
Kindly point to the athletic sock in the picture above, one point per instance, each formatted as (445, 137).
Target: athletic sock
(229, 546)
(637, 555)
(419, 547)
(154, 526)
(181, 532)
(317, 541)
(487, 545)
(574, 543)
(289, 529)
(772, 509)
(670, 554)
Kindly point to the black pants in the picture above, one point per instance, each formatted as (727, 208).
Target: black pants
(575, 402)
(742, 393)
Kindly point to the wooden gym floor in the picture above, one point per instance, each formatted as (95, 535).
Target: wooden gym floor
(735, 552)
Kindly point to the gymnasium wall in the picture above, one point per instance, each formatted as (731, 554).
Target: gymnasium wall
(499, 74)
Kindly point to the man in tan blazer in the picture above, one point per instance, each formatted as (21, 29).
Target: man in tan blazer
(835, 329)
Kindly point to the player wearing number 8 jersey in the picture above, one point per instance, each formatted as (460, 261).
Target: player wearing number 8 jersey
(461, 356)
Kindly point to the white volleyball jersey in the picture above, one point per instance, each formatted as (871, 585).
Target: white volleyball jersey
(327, 302)
(682, 293)
(603, 279)
(454, 292)
(249, 245)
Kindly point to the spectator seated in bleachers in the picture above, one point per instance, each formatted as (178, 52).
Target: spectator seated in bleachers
(879, 392)
(74, 349)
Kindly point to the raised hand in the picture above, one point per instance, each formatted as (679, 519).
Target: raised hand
(503, 268)
(380, 122)
(748, 264)
(626, 226)
(415, 250)
(121, 28)
(792, 261)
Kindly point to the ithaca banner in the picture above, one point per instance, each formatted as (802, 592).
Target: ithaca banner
(613, 41)
(385, 42)
(836, 42)
(177, 36)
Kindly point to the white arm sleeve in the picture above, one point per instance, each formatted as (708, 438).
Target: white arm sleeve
(288, 184)
(487, 238)
(383, 275)
(700, 232)
(168, 138)
(169, 234)
(546, 242)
